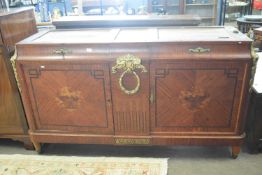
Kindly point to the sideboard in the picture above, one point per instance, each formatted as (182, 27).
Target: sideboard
(15, 25)
(139, 86)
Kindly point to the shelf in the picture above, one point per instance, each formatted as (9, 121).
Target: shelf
(207, 17)
(238, 4)
(103, 6)
(169, 5)
(158, 5)
(172, 5)
(57, 2)
(95, 3)
(207, 4)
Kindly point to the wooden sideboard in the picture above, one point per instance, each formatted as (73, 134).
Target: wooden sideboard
(15, 25)
(141, 86)
(69, 22)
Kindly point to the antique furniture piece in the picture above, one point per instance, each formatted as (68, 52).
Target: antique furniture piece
(258, 38)
(248, 22)
(254, 122)
(258, 34)
(15, 25)
(149, 86)
(206, 9)
(67, 22)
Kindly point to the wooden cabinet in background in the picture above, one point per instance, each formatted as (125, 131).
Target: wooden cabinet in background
(205, 9)
(137, 86)
(15, 25)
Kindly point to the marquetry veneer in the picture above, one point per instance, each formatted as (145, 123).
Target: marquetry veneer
(151, 86)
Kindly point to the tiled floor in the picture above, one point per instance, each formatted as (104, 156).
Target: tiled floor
(182, 160)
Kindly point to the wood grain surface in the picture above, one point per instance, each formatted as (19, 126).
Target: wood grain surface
(186, 97)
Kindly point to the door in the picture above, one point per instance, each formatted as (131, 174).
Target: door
(70, 97)
(130, 94)
(196, 97)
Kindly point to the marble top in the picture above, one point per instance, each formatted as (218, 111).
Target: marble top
(142, 34)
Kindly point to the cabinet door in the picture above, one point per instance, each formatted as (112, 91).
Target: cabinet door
(68, 97)
(197, 97)
(205, 9)
(131, 110)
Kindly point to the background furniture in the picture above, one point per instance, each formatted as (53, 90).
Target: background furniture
(244, 25)
(58, 4)
(206, 9)
(98, 7)
(46, 10)
(125, 21)
(141, 86)
(258, 38)
(236, 9)
(3, 4)
(254, 122)
(15, 25)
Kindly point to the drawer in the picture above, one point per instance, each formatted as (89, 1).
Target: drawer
(200, 50)
(51, 52)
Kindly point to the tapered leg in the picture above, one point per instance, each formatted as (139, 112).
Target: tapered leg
(37, 147)
(25, 140)
(28, 145)
(235, 151)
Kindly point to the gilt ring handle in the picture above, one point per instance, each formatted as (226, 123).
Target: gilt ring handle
(122, 87)
(128, 63)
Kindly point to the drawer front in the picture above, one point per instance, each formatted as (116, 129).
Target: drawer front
(197, 96)
(200, 51)
(70, 97)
